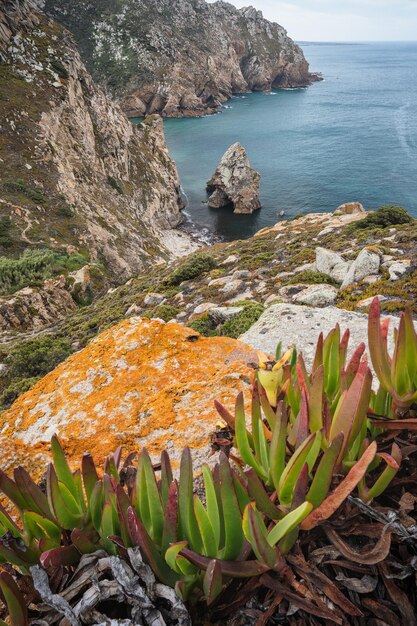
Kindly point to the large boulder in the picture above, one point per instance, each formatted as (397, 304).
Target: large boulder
(140, 383)
(332, 264)
(301, 326)
(350, 208)
(367, 263)
(235, 183)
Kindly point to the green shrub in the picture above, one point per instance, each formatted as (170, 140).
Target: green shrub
(165, 312)
(19, 186)
(115, 184)
(5, 226)
(204, 326)
(193, 267)
(243, 321)
(16, 389)
(37, 357)
(384, 217)
(34, 266)
(311, 277)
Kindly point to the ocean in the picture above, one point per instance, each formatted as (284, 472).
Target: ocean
(351, 137)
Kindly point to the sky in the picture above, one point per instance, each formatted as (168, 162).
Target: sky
(342, 20)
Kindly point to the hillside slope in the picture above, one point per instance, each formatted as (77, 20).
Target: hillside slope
(180, 57)
(75, 174)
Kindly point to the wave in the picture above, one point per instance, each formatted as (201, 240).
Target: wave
(407, 139)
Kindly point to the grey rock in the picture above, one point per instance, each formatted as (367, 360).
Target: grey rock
(235, 183)
(153, 299)
(398, 269)
(317, 295)
(332, 264)
(233, 286)
(300, 326)
(222, 314)
(203, 308)
(133, 311)
(366, 302)
(230, 260)
(366, 263)
(3, 370)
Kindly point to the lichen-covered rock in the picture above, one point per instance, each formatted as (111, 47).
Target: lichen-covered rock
(332, 264)
(317, 295)
(180, 57)
(301, 326)
(141, 383)
(350, 208)
(367, 263)
(235, 183)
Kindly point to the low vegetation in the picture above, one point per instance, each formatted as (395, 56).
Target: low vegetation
(33, 266)
(315, 438)
(383, 218)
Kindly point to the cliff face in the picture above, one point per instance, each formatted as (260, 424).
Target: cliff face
(180, 57)
(75, 173)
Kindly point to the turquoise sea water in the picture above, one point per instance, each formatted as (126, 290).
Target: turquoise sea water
(351, 137)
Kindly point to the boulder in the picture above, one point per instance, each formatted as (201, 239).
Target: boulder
(222, 314)
(140, 383)
(317, 295)
(332, 264)
(301, 326)
(350, 208)
(235, 183)
(367, 263)
(398, 269)
(154, 299)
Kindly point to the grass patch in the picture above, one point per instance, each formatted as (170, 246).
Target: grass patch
(193, 267)
(383, 218)
(243, 321)
(310, 277)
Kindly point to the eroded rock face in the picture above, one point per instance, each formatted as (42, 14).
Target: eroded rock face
(180, 57)
(33, 308)
(235, 183)
(74, 171)
(140, 383)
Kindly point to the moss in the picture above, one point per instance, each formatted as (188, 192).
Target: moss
(243, 321)
(193, 267)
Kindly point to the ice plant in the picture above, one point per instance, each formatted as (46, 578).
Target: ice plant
(397, 375)
(14, 600)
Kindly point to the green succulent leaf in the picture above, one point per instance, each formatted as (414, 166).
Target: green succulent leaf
(293, 468)
(289, 523)
(213, 581)
(15, 602)
(231, 512)
(257, 535)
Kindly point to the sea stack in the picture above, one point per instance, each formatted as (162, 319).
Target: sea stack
(235, 183)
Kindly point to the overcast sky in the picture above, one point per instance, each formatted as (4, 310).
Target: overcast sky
(342, 20)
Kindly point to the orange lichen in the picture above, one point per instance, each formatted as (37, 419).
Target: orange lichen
(139, 383)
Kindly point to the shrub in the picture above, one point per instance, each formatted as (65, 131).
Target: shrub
(243, 321)
(204, 325)
(115, 184)
(16, 389)
(34, 266)
(192, 267)
(311, 277)
(37, 357)
(5, 226)
(165, 312)
(384, 217)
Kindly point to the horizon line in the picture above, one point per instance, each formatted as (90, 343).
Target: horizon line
(353, 41)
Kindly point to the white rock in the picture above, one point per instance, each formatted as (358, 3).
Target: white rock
(203, 308)
(350, 208)
(317, 295)
(153, 299)
(366, 302)
(331, 264)
(222, 314)
(298, 325)
(366, 263)
(3, 369)
(230, 259)
(233, 286)
(398, 269)
(133, 311)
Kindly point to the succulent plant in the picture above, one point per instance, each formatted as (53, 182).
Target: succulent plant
(397, 375)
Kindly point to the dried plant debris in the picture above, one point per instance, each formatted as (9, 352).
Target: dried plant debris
(108, 590)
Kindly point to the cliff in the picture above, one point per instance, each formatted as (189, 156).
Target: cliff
(76, 175)
(180, 57)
